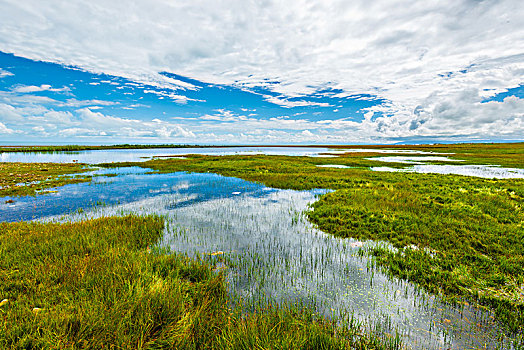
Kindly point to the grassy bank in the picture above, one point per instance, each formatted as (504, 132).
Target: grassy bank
(97, 284)
(461, 237)
(22, 179)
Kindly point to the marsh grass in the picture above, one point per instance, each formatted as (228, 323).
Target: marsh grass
(22, 179)
(461, 237)
(465, 243)
(101, 283)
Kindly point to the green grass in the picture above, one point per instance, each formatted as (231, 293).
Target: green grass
(457, 240)
(461, 237)
(22, 179)
(98, 284)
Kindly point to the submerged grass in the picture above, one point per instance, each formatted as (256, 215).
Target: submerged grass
(461, 237)
(22, 179)
(97, 284)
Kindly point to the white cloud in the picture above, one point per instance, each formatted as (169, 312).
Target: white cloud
(175, 97)
(49, 123)
(9, 113)
(4, 129)
(434, 61)
(5, 73)
(69, 132)
(289, 104)
(223, 115)
(43, 87)
(73, 102)
(22, 95)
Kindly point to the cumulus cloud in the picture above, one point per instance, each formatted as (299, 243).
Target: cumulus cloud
(43, 122)
(434, 62)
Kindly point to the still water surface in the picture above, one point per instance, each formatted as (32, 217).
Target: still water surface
(416, 158)
(141, 155)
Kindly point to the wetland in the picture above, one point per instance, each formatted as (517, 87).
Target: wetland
(270, 250)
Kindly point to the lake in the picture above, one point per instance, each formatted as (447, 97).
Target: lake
(416, 159)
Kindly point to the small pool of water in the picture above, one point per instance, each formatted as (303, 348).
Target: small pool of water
(485, 171)
(413, 159)
(337, 166)
(268, 250)
(388, 151)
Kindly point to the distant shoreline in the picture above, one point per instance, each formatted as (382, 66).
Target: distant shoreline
(72, 148)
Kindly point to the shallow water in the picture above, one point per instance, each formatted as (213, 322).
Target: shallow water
(142, 155)
(336, 166)
(268, 251)
(131, 185)
(413, 159)
(390, 151)
(485, 171)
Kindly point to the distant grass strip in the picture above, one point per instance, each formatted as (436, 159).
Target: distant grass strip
(96, 284)
(76, 148)
(22, 179)
(458, 236)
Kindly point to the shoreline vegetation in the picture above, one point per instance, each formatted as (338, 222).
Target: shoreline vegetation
(29, 179)
(98, 283)
(455, 236)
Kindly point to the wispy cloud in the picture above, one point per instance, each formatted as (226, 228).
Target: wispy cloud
(4, 129)
(5, 73)
(43, 87)
(284, 102)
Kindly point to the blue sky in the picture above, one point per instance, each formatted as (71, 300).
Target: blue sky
(267, 73)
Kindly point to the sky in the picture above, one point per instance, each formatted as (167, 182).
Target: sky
(261, 72)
